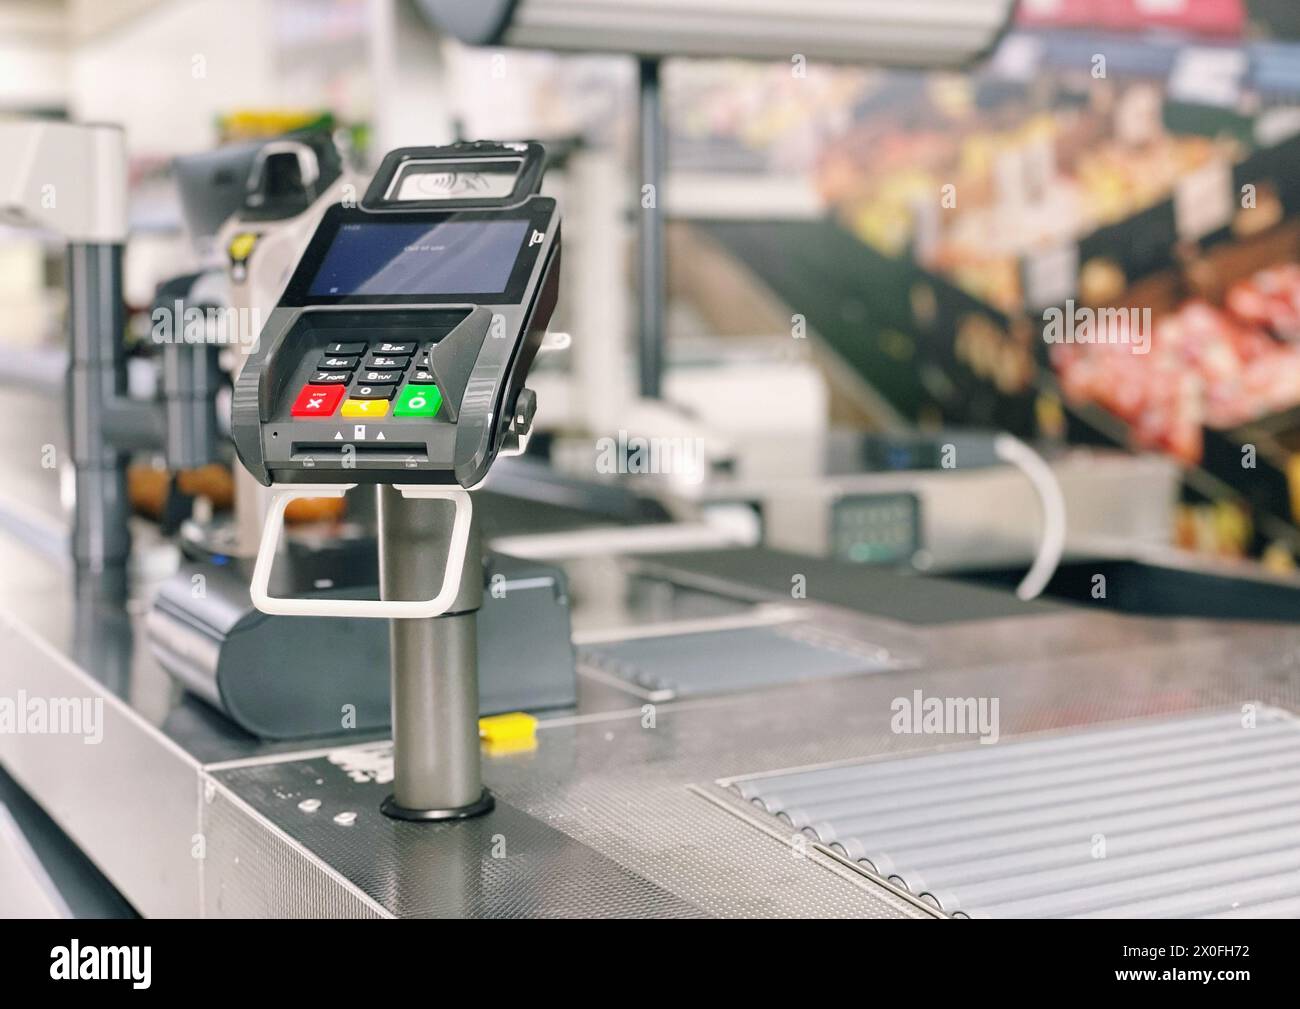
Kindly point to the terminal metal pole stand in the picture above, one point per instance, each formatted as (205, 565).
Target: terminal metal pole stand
(436, 772)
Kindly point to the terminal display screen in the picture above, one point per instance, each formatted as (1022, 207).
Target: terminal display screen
(391, 258)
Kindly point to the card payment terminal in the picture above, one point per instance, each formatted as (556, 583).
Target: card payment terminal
(396, 357)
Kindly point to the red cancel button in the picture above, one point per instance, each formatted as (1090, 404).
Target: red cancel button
(317, 400)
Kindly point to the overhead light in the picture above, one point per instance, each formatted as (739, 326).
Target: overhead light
(916, 33)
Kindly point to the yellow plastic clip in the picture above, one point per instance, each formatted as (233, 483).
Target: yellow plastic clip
(514, 732)
(241, 246)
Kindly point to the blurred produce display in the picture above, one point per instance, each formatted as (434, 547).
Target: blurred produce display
(973, 194)
(736, 115)
(1092, 162)
(1271, 300)
(1206, 367)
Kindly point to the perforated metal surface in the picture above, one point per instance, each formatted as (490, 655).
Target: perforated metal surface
(1182, 816)
(249, 869)
(503, 865)
(554, 846)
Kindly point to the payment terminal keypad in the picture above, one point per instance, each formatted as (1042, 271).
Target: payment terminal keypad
(357, 379)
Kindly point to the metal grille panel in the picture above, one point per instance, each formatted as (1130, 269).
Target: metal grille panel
(1172, 817)
(725, 661)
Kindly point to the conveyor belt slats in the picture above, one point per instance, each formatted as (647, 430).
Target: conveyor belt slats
(1178, 816)
(727, 661)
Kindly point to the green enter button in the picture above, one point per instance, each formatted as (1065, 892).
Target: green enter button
(418, 401)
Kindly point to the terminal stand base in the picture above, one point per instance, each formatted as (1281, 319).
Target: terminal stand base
(485, 804)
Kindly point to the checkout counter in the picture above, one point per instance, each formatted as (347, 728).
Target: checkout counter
(700, 676)
(761, 730)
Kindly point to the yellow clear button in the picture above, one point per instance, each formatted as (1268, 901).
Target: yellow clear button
(364, 408)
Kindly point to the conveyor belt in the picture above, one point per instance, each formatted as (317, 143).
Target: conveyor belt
(1171, 817)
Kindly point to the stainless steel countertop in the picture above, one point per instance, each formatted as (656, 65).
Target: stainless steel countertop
(608, 815)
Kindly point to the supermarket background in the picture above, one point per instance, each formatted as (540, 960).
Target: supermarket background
(1128, 153)
(1121, 154)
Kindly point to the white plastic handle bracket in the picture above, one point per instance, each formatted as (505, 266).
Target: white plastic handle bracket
(382, 609)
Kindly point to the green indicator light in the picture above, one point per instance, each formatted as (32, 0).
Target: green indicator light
(419, 401)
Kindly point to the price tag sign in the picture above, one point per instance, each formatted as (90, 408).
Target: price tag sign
(926, 230)
(1204, 201)
(1139, 115)
(1018, 57)
(1208, 76)
(1051, 275)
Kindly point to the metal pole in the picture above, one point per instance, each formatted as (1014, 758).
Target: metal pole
(191, 378)
(436, 773)
(650, 234)
(96, 379)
